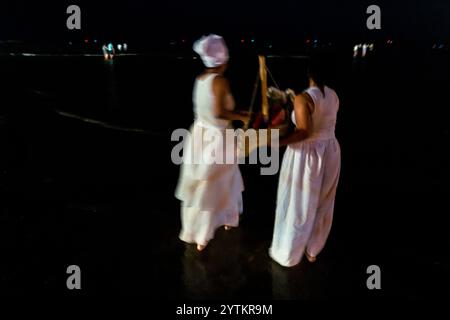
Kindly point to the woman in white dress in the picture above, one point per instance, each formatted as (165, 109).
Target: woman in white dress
(309, 175)
(211, 192)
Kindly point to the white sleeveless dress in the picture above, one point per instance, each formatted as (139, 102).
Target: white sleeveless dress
(307, 187)
(211, 194)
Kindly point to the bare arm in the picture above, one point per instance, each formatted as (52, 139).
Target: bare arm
(303, 107)
(221, 89)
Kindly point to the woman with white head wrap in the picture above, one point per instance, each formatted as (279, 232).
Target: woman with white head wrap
(211, 192)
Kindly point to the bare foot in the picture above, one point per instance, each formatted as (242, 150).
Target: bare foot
(309, 257)
(227, 228)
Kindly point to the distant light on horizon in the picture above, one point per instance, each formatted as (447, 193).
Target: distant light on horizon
(362, 49)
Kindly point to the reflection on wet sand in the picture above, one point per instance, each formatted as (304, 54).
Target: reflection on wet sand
(215, 272)
(304, 281)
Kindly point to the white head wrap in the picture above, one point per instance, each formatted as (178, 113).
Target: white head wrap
(212, 50)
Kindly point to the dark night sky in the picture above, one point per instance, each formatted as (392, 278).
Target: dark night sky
(143, 18)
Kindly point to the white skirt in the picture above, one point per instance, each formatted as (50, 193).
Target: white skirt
(211, 194)
(305, 200)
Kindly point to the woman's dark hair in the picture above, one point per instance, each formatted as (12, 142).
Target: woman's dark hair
(316, 72)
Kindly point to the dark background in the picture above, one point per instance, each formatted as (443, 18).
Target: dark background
(145, 20)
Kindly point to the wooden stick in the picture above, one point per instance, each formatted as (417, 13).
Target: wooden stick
(252, 102)
(263, 77)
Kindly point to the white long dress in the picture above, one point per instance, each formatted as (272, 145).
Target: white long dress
(211, 193)
(307, 187)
